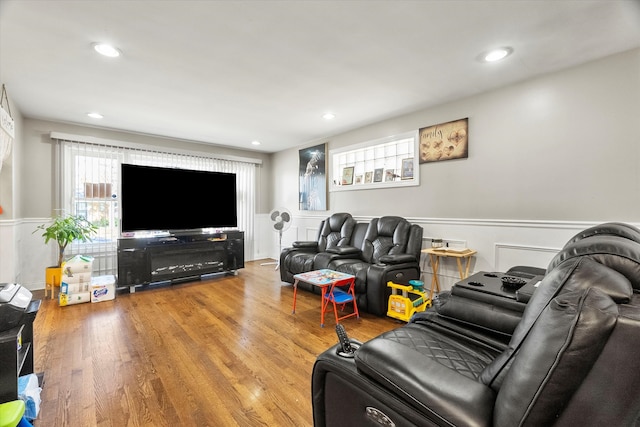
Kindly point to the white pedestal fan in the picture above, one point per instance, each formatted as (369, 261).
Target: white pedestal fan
(280, 222)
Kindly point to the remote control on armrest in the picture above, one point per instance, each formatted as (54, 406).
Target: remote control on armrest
(345, 344)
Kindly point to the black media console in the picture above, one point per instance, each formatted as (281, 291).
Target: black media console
(179, 257)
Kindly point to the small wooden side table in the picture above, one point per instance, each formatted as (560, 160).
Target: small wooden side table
(436, 253)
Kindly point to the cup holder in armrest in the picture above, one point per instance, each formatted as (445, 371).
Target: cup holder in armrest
(478, 284)
(511, 282)
(355, 345)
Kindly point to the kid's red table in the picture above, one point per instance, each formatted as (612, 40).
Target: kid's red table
(329, 279)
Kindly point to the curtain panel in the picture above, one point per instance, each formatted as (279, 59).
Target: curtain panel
(88, 183)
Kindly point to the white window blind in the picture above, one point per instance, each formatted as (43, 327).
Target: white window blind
(88, 184)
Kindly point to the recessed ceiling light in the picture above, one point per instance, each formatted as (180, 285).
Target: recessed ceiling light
(255, 142)
(328, 116)
(496, 54)
(106, 50)
(95, 115)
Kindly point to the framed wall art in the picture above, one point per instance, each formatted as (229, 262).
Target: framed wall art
(313, 178)
(377, 175)
(347, 175)
(407, 169)
(445, 141)
(368, 177)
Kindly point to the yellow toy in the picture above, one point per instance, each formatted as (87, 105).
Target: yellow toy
(407, 300)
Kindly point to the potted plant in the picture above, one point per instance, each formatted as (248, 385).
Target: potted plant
(64, 229)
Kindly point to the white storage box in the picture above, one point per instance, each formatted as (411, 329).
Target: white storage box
(103, 288)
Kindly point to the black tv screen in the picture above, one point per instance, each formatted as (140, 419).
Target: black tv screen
(167, 199)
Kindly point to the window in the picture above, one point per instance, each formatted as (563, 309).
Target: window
(89, 184)
(386, 162)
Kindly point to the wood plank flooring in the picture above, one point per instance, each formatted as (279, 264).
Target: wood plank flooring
(221, 352)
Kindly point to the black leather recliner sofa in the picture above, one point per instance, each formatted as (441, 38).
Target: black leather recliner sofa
(335, 231)
(385, 249)
(571, 360)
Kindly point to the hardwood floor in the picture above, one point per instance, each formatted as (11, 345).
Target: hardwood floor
(221, 352)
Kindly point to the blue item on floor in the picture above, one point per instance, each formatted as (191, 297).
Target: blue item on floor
(29, 392)
(24, 423)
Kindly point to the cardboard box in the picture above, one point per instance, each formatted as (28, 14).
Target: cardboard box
(74, 288)
(103, 288)
(78, 278)
(77, 298)
(77, 264)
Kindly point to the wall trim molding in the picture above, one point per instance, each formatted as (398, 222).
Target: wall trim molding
(526, 223)
(9, 222)
(491, 222)
(507, 246)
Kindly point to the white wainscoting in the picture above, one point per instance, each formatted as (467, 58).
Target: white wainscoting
(507, 256)
(23, 256)
(267, 244)
(501, 244)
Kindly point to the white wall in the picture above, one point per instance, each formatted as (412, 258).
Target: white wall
(547, 157)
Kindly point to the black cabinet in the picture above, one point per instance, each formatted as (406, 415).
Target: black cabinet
(188, 256)
(16, 353)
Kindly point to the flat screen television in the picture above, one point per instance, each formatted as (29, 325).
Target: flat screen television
(173, 200)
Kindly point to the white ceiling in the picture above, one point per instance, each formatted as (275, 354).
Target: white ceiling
(230, 72)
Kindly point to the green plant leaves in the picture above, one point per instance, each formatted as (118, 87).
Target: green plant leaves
(66, 229)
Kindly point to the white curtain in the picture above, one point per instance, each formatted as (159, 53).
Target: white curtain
(88, 184)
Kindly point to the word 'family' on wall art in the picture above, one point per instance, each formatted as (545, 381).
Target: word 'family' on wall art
(445, 141)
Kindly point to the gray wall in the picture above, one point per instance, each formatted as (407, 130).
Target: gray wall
(9, 188)
(560, 147)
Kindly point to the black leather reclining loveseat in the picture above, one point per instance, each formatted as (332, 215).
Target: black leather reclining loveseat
(572, 360)
(385, 249)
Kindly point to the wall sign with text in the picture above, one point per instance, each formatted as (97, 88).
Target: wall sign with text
(445, 141)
